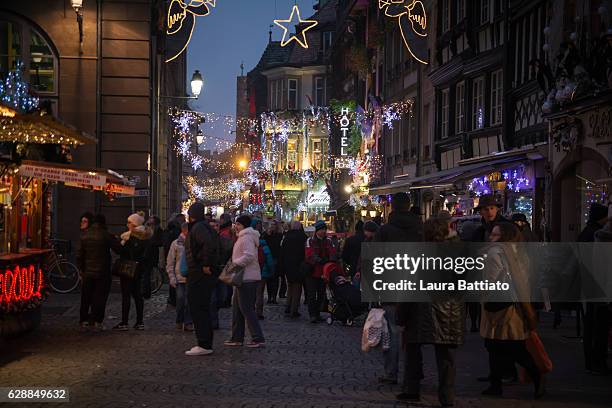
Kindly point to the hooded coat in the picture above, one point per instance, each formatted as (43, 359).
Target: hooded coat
(137, 247)
(292, 255)
(245, 253)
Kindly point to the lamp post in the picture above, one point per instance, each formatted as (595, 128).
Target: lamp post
(77, 5)
(197, 82)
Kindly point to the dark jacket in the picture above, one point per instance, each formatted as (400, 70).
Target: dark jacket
(171, 234)
(588, 233)
(274, 243)
(201, 250)
(157, 241)
(481, 234)
(138, 248)
(438, 322)
(318, 253)
(352, 251)
(528, 234)
(403, 226)
(604, 234)
(94, 257)
(292, 255)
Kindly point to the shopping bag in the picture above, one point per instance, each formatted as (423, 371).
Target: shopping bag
(232, 274)
(535, 347)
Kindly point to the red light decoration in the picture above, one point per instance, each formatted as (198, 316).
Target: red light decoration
(20, 286)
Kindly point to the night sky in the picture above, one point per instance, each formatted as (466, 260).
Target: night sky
(235, 31)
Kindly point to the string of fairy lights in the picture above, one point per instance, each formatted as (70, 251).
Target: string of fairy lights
(270, 164)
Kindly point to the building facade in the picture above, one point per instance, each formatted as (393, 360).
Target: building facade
(105, 77)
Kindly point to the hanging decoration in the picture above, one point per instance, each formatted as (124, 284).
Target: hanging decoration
(301, 27)
(180, 22)
(515, 180)
(412, 19)
(15, 92)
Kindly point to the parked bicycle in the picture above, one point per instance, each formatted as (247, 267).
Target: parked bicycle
(63, 275)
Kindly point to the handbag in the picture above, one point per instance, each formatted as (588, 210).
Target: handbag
(125, 268)
(232, 274)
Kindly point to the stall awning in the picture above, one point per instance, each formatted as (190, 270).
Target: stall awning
(38, 128)
(446, 179)
(95, 179)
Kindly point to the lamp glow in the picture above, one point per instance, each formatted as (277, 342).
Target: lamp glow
(197, 82)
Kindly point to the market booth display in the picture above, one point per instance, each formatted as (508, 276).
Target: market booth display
(35, 152)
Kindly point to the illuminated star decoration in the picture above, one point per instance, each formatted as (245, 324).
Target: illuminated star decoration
(305, 25)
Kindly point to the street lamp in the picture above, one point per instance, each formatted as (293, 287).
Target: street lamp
(77, 5)
(196, 84)
(242, 164)
(200, 138)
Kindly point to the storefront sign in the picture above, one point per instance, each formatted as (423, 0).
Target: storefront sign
(344, 128)
(319, 198)
(21, 284)
(67, 176)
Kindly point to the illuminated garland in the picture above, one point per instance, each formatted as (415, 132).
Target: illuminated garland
(14, 91)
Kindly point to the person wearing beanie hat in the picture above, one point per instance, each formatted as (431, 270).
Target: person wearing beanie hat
(136, 243)
(319, 251)
(598, 216)
(202, 255)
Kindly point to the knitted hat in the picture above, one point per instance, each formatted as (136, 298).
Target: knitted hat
(319, 225)
(370, 226)
(137, 219)
(598, 212)
(244, 220)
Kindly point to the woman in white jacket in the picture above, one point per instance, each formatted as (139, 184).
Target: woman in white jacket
(178, 281)
(245, 254)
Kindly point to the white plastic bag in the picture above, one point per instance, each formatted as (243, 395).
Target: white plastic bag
(373, 329)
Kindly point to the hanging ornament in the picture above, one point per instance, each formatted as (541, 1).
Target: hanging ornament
(412, 19)
(180, 22)
(301, 27)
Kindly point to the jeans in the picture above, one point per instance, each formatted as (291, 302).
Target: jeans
(294, 295)
(502, 352)
(131, 288)
(198, 296)
(243, 311)
(94, 294)
(391, 356)
(315, 294)
(183, 316)
(259, 297)
(445, 361)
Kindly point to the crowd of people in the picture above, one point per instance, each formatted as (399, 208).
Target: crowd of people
(283, 262)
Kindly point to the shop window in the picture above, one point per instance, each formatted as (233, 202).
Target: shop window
(328, 38)
(292, 154)
(21, 42)
(292, 94)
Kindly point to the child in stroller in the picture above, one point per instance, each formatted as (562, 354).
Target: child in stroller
(344, 298)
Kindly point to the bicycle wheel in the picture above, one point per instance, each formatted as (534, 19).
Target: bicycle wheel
(157, 280)
(64, 277)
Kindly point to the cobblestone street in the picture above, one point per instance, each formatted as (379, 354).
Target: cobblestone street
(303, 365)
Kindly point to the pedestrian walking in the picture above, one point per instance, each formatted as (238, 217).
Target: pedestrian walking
(172, 232)
(596, 317)
(351, 251)
(177, 281)
(319, 251)
(440, 323)
(245, 254)
(201, 253)
(506, 325)
(277, 285)
(94, 261)
(291, 261)
(136, 243)
(403, 226)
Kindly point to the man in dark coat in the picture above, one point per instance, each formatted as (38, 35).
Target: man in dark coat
(352, 249)
(488, 207)
(94, 260)
(202, 254)
(290, 263)
(595, 340)
(403, 226)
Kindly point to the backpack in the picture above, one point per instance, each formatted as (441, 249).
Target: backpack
(183, 268)
(267, 262)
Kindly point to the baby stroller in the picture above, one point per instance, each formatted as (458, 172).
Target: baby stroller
(344, 299)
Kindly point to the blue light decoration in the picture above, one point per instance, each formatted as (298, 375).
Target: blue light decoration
(516, 181)
(15, 92)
